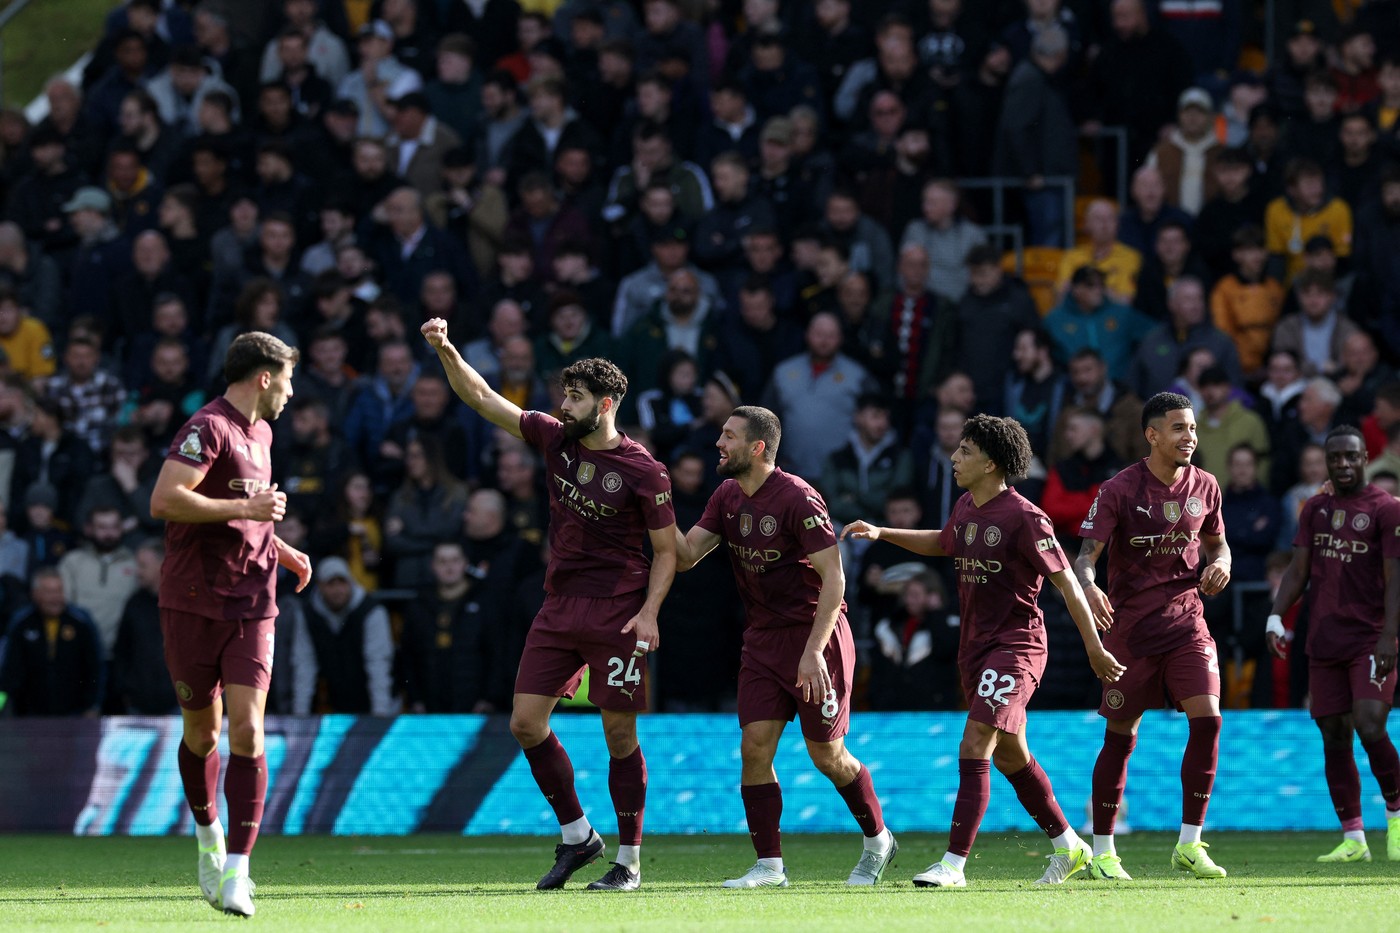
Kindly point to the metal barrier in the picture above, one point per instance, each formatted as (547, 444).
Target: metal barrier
(1000, 184)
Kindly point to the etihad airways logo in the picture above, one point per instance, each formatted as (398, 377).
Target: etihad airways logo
(1171, 542)
(588, 507)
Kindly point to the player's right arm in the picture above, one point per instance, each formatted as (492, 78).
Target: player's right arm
(468, 383)
(1105, 665)
(692, 547)
(1085, 572)
(1290, 590)
(176, 498)
(925, 542)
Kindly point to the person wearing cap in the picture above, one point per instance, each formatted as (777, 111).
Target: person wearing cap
(379, 79)
(1186, 157)
(639, 292)
(322, 48)
(103, 255)
(419, 142)
(343, 644)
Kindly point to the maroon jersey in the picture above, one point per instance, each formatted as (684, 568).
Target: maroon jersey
(602, 502)
(1349, 537)
(1002, 552)
(222, 570)
(770, 535)
(1154, 534)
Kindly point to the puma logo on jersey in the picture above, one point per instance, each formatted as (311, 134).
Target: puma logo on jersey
(568, 461)
(1145, 510)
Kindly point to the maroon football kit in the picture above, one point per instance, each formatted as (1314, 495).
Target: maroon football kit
(1153, 533)
(1349, 538)
(218, 583)
(768, 536)
(1002, 551)
(602, 505)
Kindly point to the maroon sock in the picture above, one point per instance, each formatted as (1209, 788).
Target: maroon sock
(627, 782)
(554, 773)
(1038, 797)
(1198, 768)
(763, 807)
(201, 779)
(1110, 777)
(865, 806)
(1343, 780)
(974, 793)
(1385, 765)
(245, 789)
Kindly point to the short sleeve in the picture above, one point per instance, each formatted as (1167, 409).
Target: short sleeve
(540, 430)
(1389, 519)
(809, 522)
(1102, 519)
(1214, 523)
(1041, 547)
(1303, 536)
(948, 537)
(199, 443)
(710, 519)
(654, 493)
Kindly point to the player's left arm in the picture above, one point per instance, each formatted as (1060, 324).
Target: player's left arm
(1106, 667)
(295, 561)
(692, 546)
(812, 674)
(1217, 573)
(1385, 645)
(663, 571)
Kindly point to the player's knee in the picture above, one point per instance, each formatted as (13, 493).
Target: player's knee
(1008, 758)
(621, 738)
(245, 738)
(527, 731)
(202, 741)
(1370, 731)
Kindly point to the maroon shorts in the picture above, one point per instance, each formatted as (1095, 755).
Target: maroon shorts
(574, 632)
(999, 684)
(204, 654)
(1336, 686)
(1190, 670)
(768, 680)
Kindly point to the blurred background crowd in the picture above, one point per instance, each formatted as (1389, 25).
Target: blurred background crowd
(874, 217)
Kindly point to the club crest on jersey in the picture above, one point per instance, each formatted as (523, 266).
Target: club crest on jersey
(1172, 511)
(1361, 522)
(745, 524)
(612, 482)
(585, 473)
(992, 536)
(1339, 518)
(192, 448)
(768, 525)
(1194, 507)
(970, 533)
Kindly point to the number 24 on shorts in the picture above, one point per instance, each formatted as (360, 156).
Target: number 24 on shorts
(621, 673)
(995, 687)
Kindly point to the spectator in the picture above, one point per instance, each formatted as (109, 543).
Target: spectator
(946, 238)
(1138, 76)
(572, 336)
(917, 336)
(1035, 134)
(379, 78)
(1163, 349)
(573, 273)
(25, 340)
(1035, 388)
(454, 91)
(99, 576)
(1118, 262)
(152, 275)
(103, 254)
(1186, 158)
(14, 556)
(1356, 175)
(406, 248)
(683, 320)
(52, 664)
(1072, 482)
(37, 199)
(1245, 304)
(452, 650)
(47, 535)
(1253, 514)
(1360, 377)
(867, 243)
(1317, 406)
(88, 398)
(1087, 319)
(463, 203)
(753, 342)
(381, 400)
(1303, 213)
(1317, 333)
(883, 566)
(552, 125)
(544, 222)
(812, 391)
(1149, 212)
(350, 528)
(433, 414)
(992, 311)
(639, 292)
(1225, 424)
(668, 412)
(307, 91)
(344, 650)
(1238, 202)
(32, 274)
(859, 475)
(933, 467)
(1283, 383)
(918, 647)
(140, 683)
(517, 477)
(1090, 388)
(719, 234)
(1311, 473)
(258, 308)
(1171, 258)
(424, 510)
(127, 483)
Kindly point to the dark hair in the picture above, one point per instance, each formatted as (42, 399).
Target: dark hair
(254, 352)
(760, 424)
(1234, 155)
(1161, 403)
(600, 377)
(1345, 430)
(668, 364)
(1040, 336)
(1003, 440)
(1250, 236)
(983, 255)
(1314, 278)
(1297, 168)
(251, 295)
(873, 400)
(1389, 392)
(1086, 353)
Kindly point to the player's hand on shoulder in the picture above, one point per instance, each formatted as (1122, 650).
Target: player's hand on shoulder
(861, 531)
(435, 332)
(270, 505)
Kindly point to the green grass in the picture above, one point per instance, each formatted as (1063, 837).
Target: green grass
(451, 883)
(45, 39)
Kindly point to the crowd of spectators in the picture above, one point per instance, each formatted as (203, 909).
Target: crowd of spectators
(758, 201)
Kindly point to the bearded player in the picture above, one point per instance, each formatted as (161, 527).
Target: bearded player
(1160, 520)
(218, 601)
(1004, 548)
(798, 656)
(607, 497)
(1347, 555)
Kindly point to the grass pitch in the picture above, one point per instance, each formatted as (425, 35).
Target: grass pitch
(453, 883)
